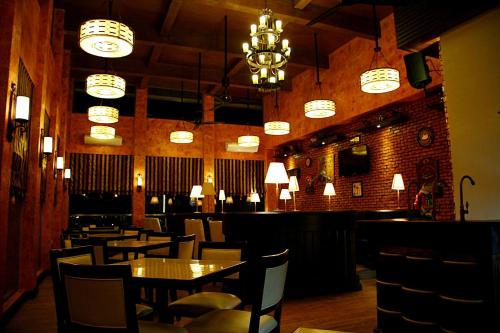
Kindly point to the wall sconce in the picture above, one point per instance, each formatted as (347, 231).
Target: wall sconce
(60, 163)
(139, 182)
(47, 146)
(22, 113)
(66, 177)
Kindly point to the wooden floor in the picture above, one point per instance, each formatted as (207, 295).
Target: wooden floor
(349, 312)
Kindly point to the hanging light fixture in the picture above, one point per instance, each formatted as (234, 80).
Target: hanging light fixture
(181, 135)
(106, 38)
(380, 78)
(248, 141)
(106, 86)
(102, 132)
(267, 55)
(319, 108)
(276, 127)
(103, 114)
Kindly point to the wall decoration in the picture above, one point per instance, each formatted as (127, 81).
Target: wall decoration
(309, 185)
(425, 136)
(355, 140)
(326, 167)
(308, 162)
(43, 179)
(357, 189)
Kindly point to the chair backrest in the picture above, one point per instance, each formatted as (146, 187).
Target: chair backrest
(99, 298)
(183, 247)
(223, 251)
(160, 236)
(216, 234)
(83, 255)
(131, 231)
(269, 288)
(152, 223)
(195, 226)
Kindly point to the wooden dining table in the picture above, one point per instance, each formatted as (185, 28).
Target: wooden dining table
(136, 246)
(112, 236)
(164, 274)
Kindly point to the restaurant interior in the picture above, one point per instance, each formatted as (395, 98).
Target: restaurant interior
(305, 166)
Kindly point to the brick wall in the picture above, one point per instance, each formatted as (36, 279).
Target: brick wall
(392, 150)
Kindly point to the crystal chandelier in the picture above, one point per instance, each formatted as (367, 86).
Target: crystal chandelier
(319, 108)
(103, 114)
(106, 38)
(379, 78)
(248, 141)
(102, 132)
(267, 55)
(105, 86)
(276, 127)
(181, 137)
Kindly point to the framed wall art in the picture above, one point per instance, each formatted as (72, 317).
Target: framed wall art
(357, 189)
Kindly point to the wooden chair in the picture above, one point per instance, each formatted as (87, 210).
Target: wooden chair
(202, 302)
(152, 223)
(100, 299)
(132, 231)
(183, 247)
(195, 226)
(269, 286)
(160, 236)
(216, 234)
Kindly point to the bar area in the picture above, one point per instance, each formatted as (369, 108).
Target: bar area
(240, 166)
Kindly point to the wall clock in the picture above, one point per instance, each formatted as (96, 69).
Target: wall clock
(308, 162)
(425, 136)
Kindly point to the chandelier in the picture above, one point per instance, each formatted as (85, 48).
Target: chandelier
(105, 86)
(102, 132)
(248, 141)
(319, 108)
(181, 137)
(276, 127)
(266, 55)
(103, 114)
(379, 78)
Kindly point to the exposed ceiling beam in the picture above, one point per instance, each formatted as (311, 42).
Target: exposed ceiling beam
(301, 4)
(170, 17)
(349, 24)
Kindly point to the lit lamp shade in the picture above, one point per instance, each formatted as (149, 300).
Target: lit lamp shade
(47, 145)
(22, 108)
(329, 189)
(254, 197)
(103, 114)
(105, 86)
(196, 192)
(380, 80)
(181, 137)
(106, 38)
(102, 132)
(67, 173)
(230, 200)
(276, 174)
(319, 108)
(397, 182)
(154, 201)
(222, 195)
(277, 127)
(248, 141)
(60, 163)
(293, 185)
(285, 194)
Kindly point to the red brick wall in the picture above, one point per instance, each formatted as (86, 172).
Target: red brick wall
(392, 150)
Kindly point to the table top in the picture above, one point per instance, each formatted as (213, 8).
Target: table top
(182, 270)
(111, 236)
(137, 245)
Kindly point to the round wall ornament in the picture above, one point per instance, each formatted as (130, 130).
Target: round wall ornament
(308, 162)
(425, 136)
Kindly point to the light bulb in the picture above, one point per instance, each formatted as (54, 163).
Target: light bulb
(272, 79)
(271, 39)
(253, 29)
(262, 20)
(262, 58)
(284, 43)
(279, 25)
(245, 47)
(255, 79)
(255, 41)
(281, 75)
(277, 57)
(263, 72)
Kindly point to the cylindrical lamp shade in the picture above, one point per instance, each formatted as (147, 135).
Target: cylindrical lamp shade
(380, 80)
(254, 197)
(397, 182)
(196, 192)
(67, 173)
(248, 141)
(22, 108)
(103, 114)
(285, 194)
(222, 195)
(276, 174)
(329, 189)
(102, 132)
(181, 137)
(277, 127)
(47, 145)
(60, 163)
(106, 38)
(293, 185)
(105, 86)
(319, 108)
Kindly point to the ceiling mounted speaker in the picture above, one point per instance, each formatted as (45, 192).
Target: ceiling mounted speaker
(417, 70)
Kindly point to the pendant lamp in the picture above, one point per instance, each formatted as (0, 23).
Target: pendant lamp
(276, 127)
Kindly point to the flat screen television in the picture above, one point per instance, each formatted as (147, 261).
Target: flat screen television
(354, 161)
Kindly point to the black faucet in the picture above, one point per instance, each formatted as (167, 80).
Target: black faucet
(465, 210)
(412, 207)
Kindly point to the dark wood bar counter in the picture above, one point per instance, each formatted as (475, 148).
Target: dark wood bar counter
(322, 244)
(436, 276)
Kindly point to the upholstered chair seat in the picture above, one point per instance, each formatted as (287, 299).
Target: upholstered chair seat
(229, 321)
(200, 303)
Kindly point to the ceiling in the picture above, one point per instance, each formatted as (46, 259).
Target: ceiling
(171, 33)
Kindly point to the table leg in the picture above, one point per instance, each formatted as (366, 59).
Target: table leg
(161, 305)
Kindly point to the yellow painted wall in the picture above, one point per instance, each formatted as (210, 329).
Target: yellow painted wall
(471, 61)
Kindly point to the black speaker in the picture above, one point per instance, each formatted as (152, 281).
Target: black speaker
(417, 70)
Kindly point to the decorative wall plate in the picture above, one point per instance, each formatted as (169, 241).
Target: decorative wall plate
(308, 162)
(425, 136)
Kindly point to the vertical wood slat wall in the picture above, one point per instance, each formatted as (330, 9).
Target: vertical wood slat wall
(101, 173)
(172, 175)
(238, 177)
